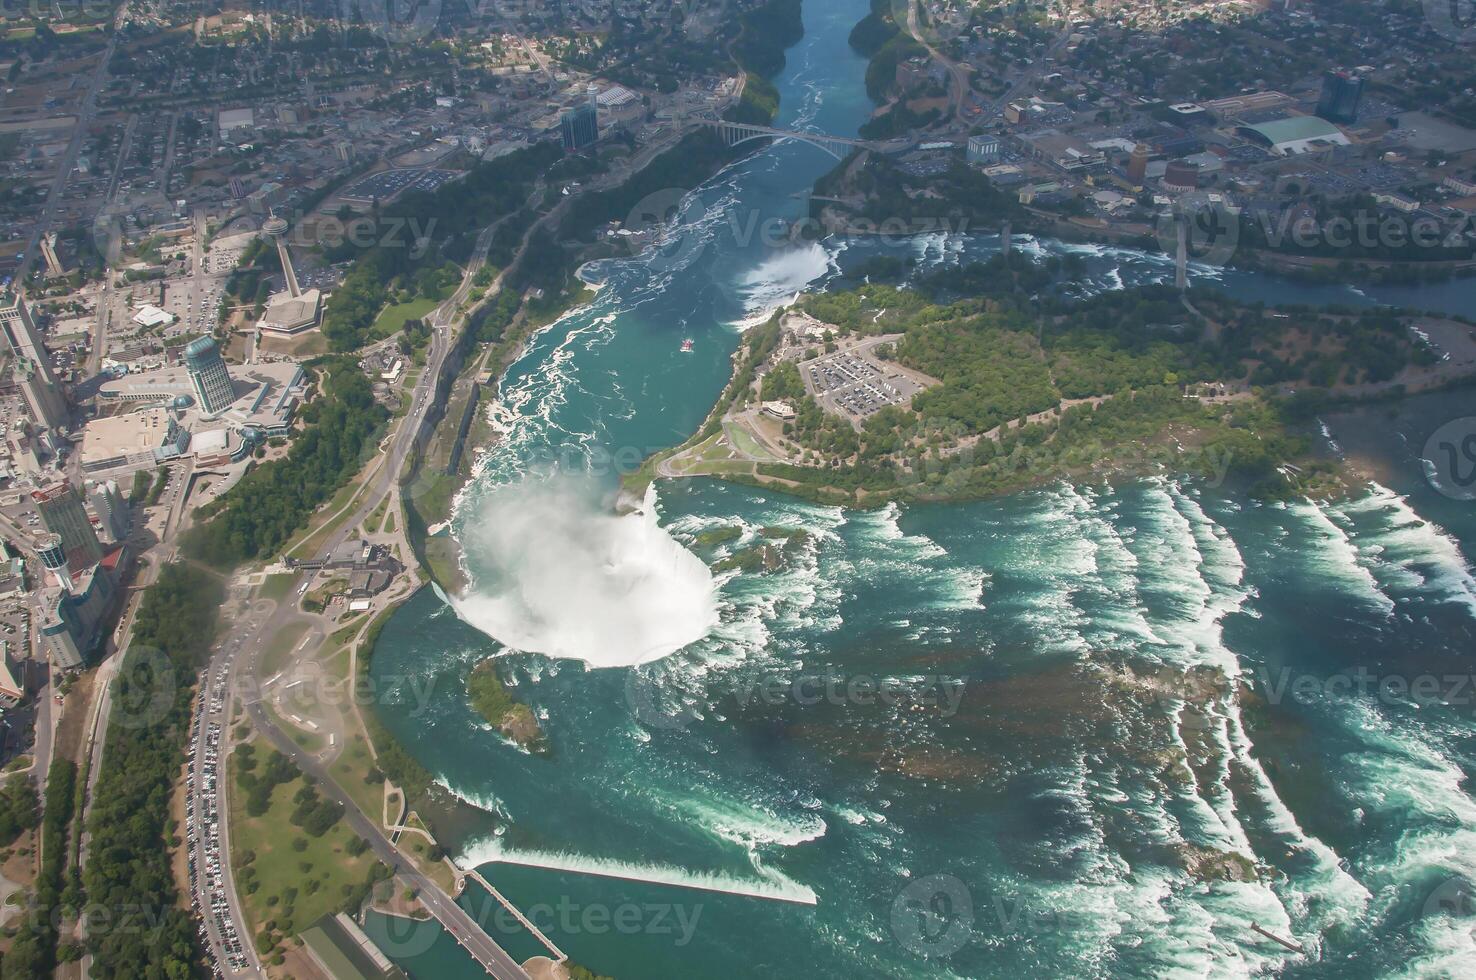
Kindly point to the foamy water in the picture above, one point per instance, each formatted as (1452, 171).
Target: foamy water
(793, 805)
(558, 573)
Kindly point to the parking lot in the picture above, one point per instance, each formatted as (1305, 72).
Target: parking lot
(15, 626)
(854, 383)
(19, 512)
(202, 819)
(388, 184)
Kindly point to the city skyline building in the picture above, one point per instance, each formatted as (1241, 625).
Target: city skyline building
(208, 376)
(63, 514)
(579, 127)
(43, 395)
(72, 619)
(54, 267)
(1137, 169)
(275, 228)
(111, 510)
(1341, 93)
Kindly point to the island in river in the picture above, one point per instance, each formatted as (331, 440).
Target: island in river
(512, 719)
(984, 381)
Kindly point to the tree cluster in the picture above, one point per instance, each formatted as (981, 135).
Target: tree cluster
(129, 858)
(275, 499)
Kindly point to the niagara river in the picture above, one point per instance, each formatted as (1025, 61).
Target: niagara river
(1086, 730)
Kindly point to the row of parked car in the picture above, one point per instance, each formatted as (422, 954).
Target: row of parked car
(204, 794)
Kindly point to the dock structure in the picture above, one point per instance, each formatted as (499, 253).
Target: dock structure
(1181, 253)
(1295, 947)
(559, 955)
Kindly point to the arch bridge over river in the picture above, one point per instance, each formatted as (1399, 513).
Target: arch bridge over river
(734, 133)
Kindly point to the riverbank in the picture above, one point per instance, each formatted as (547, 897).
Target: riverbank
(1345, 241)
(537, 289)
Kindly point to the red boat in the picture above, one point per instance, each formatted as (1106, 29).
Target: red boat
(687, 346)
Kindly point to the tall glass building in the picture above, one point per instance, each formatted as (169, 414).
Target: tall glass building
(209, 376)
(44, 398)
(1341, 93)
(62, 512)
(579, 127)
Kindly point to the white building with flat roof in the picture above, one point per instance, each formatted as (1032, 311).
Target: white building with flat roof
(151, 316)
(169, 422)
(288, 314)
(231, 120)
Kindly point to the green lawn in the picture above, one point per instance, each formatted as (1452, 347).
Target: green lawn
(719, 467)
(392, 318)
(745, 441)
(349, 770)
(376, 517)
(306, 740)
(315, 533)
(277, 587)
(322, 876)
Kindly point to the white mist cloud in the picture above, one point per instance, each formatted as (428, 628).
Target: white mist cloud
(781, 275)
(558, 573)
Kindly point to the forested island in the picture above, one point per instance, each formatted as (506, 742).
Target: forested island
(512, 719)
(987, 379)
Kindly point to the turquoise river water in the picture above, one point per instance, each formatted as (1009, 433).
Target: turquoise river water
(1092, 685)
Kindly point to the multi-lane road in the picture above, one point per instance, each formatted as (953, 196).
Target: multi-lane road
(456, 920)
(212, 882)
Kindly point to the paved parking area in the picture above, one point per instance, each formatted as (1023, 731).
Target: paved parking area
(387, 184)
(854, 383)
